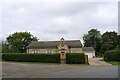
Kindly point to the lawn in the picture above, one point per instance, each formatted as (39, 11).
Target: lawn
(114, 62)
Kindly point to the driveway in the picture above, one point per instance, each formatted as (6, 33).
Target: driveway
(97, 61)
(38, 70)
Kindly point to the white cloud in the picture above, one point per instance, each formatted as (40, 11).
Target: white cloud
(53, 20)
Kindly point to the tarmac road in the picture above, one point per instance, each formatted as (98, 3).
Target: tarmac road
(36, 70)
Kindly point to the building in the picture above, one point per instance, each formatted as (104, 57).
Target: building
(69, 46)
(89, 51)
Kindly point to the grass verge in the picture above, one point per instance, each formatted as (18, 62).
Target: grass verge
(114, 62)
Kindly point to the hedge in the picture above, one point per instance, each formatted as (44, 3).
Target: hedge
(71, 58)
(75, 58)
(20, 57)
(112, 55)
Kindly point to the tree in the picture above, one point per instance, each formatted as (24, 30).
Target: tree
(118, 40)
(93, 39)
(0, 47)
(5, 47)
(109, 41)
(18, 41)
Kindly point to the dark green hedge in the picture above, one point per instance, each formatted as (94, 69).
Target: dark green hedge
(75, 58)
(20, 57)
(71, 58)
(112, 55)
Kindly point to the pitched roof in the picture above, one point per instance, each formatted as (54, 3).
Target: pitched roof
(54, 44)
(88, 49)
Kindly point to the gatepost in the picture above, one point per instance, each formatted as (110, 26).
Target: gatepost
(63, 57)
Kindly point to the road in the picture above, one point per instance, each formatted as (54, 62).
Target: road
(39, 70)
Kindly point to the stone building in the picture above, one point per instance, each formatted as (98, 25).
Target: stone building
(46, 47)
(89, 51)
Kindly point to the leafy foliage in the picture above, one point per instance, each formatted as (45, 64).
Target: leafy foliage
(75, 58)
(93, 39)
(118, 42)
(5, 48)
(18, 41)
(112, 55)
(109, 41)
(23, 57)
(0, 47)
(71, 58)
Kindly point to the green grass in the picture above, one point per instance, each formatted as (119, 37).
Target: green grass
(114, 62)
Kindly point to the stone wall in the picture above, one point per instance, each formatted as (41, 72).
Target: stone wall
(69, 50)
(42, 51)
(75, 50)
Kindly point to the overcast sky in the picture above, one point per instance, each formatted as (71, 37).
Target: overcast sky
(53, 20)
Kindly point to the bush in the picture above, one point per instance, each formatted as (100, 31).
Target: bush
(75, 58)
(20, 57)
(112, 55)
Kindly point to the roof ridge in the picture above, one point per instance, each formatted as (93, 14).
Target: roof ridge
(39, 44)
(58, 40)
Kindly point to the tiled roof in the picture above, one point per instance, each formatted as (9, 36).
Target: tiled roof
(88, 49)
(54, 44)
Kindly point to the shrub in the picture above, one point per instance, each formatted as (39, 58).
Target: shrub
(75, 58)
(20, 57)
(112, 55)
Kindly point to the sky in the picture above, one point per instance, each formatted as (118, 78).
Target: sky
(52, 20)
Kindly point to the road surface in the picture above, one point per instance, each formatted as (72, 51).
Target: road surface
(39, 70)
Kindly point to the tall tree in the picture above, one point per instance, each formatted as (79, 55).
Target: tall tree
(5, 47)
(19, 40)
(118, 40)
(0, 47)
(109, 41)
(93, 39)
(118, 45)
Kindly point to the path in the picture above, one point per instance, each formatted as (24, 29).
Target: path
(97, 61)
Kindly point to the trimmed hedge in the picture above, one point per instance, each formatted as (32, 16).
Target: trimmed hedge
(71, 58)
(20, 57)
(112, 55)
(75, 58)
